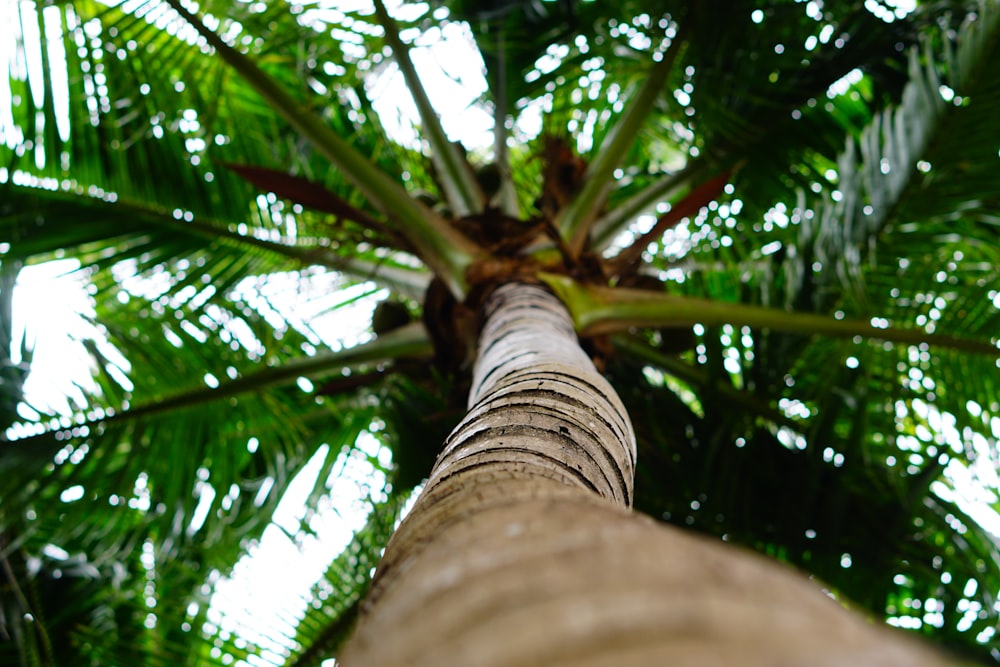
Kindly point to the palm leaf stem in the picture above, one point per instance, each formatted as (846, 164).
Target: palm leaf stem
(501, 155)
(412, 282)
(461, 189)
(602, 310)
(576, 219)
(413, 366)
(406, 342)
(407, 282)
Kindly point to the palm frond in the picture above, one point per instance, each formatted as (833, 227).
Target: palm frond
(442, 247)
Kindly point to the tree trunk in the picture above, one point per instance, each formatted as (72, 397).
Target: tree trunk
(522, 550)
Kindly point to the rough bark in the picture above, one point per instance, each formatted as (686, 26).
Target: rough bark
(522, 550)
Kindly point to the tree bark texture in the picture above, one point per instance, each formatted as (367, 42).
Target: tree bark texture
(521, 550)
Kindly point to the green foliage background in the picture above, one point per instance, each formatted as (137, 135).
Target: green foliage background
(875, 200)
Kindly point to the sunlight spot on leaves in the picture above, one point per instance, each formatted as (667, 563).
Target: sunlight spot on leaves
(843, 84)
(206, 496)
(72, 494)
(890, 10)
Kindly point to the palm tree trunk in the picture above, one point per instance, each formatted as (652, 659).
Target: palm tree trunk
(522, 550)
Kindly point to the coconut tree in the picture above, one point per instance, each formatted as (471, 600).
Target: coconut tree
(769, 226)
